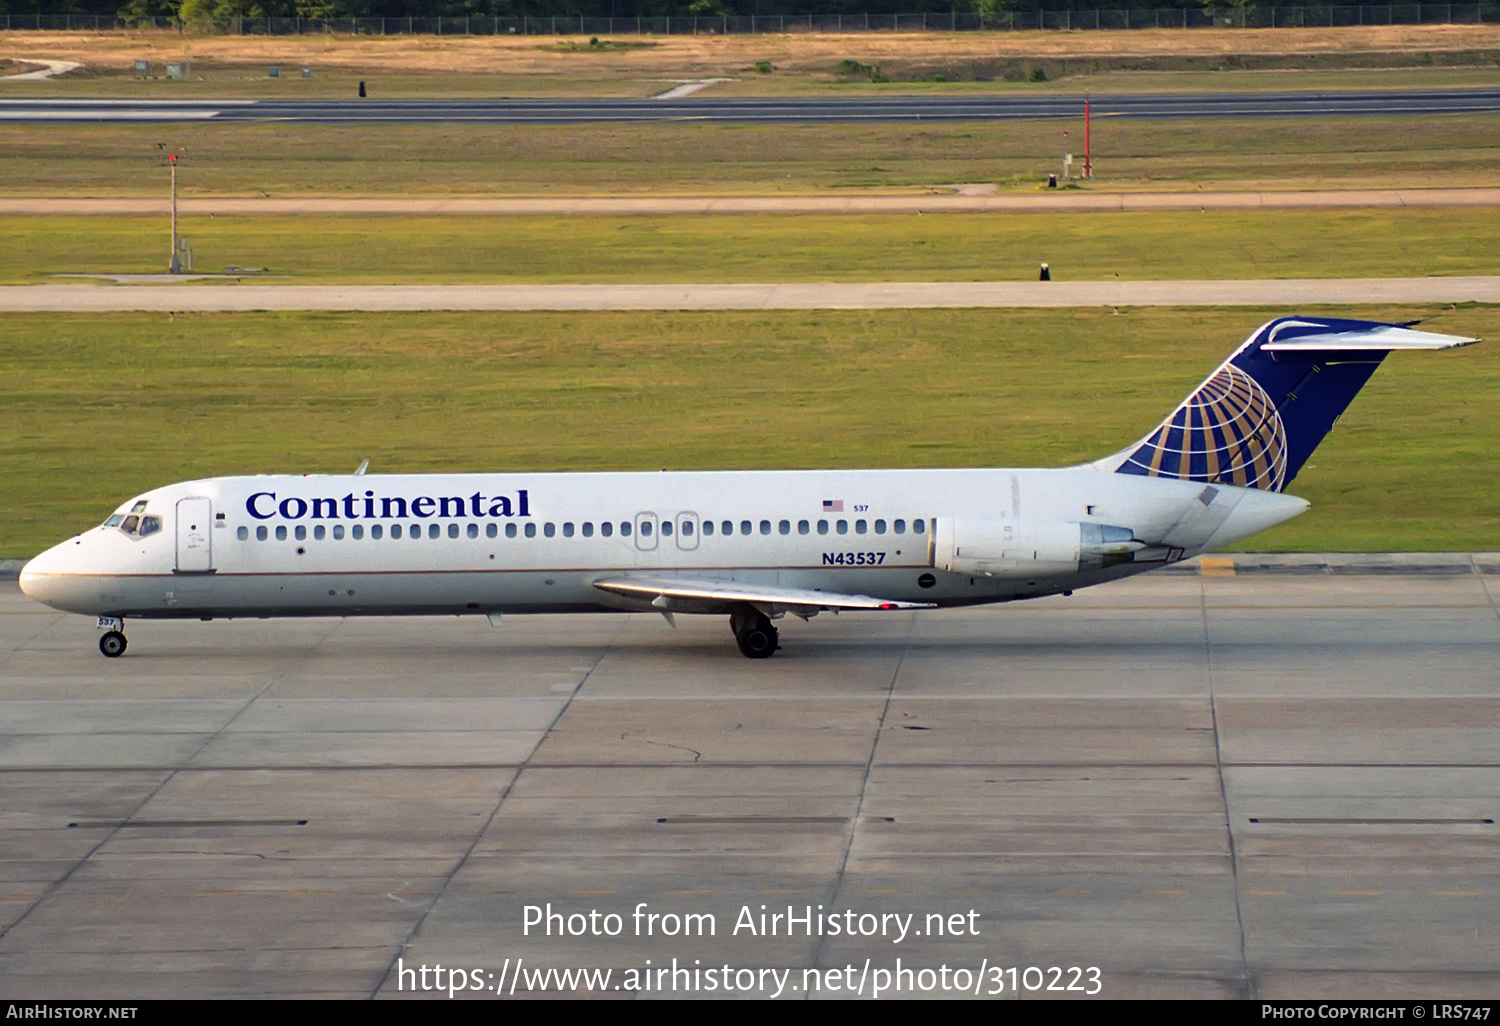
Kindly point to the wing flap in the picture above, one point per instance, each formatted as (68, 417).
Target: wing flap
(677, 592)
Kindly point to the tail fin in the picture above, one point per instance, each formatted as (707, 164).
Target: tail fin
(1258, 418)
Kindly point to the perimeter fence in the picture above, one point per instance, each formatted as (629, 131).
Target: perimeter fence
(1000, 21)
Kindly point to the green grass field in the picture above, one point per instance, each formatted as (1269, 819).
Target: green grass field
(838, 247)
(94, 409)
(714, 159)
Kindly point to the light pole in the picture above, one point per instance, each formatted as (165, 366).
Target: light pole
(174, 266)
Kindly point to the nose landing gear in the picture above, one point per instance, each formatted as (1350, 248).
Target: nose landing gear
(753, 631)
(112, 644)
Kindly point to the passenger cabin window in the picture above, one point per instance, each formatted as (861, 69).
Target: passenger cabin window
(708, 527)
(319, 532)
(549, 530)
(510, 530)
(588, 529)
(746, 527)
(568, 530)
(860, 527)
(822, 527)
(803, 527)
(376, 531)
(281, 533)
(242, 533)
(260, 533)
(646, 528)
(843, 527)
(624, 528)
(531, 530)
(452, 530)
(301, 532)
(491, 530)
(434, 531)
(727, 527)
(880, 527)
(918, 527)
(606, 529)
(395, 530)
(784, 527)
(666, 528)
(765, 527)
(338, 532)
(899, 526)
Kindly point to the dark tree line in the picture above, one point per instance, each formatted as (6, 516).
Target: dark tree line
(136, 10)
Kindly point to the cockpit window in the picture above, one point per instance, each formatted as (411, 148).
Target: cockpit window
(115, 520)
(139, 507)
(130, 524)
(150, 525)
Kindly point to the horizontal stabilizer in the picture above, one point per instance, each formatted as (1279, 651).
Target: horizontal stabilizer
(680, 592)
(1383, 338)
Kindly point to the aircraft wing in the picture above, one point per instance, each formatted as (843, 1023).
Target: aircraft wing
(684, 594)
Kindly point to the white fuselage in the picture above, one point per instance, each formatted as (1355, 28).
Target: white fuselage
(499, 543)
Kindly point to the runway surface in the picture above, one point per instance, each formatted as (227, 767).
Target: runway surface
(703, 107)
(1276, 784)
(937, 201)
(150, 293)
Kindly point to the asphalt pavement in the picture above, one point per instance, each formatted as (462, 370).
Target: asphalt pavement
(704, 107)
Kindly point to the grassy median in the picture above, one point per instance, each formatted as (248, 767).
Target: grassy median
(1382, 242)
(96, 408)
(227, 159)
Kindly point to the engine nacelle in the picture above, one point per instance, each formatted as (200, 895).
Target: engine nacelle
(995, 547)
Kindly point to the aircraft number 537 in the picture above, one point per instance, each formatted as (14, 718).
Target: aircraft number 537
(853, 558)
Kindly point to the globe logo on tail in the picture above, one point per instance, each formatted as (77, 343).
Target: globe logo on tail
(1227, 432)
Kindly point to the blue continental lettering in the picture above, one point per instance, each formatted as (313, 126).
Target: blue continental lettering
(351, 507)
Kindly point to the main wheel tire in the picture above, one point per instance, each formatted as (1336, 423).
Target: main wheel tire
(112, 644)
(758, 642)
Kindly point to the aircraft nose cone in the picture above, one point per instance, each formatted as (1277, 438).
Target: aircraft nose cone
(41, 578)
(34, 577)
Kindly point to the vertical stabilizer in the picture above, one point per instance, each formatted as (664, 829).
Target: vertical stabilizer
(1258, 418)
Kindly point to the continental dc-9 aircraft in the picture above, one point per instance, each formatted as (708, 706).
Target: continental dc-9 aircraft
(752, 545)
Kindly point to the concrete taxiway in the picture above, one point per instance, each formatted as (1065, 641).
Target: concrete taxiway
(942, 199)
(251, 295)
(1270, 778)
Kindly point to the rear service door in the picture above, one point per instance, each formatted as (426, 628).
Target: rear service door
(195, 519)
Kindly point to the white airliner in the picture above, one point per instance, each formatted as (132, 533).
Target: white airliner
(755, 545)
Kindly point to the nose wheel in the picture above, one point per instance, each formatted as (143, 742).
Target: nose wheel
(112, 644)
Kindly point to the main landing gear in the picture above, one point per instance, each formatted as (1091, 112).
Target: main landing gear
(756, 636)
(112, 644)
